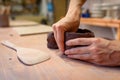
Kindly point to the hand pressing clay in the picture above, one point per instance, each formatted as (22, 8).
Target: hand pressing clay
(81, 33)
(28, 56)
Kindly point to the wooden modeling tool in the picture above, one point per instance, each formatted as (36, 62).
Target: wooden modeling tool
(26, 55)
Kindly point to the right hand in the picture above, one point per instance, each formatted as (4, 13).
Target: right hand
(99, 51)
(65, 24)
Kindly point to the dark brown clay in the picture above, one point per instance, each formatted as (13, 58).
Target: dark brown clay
(51, 43)
(73, 35)
(81, 33)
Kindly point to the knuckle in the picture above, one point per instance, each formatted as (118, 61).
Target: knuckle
(57, 27)
(97, 40)
(71, 42)
(79, 49)
(54, 26)
(78, 40)
(94, 49)
(76, 50)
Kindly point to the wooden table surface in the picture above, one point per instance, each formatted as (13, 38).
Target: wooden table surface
(59, 67)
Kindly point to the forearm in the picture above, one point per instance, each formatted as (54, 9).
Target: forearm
(75, 8)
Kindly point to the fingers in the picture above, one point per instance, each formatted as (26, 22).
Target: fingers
(59, 36)
(78, 50)
(60, 39)
(80, 41)
(97, 51)
(55, 32)
(84, 57)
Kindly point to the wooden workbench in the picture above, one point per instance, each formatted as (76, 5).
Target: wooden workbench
(103, 23)
(59, 67)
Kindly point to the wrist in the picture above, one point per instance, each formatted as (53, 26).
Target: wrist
(74, 10)
(74, 14)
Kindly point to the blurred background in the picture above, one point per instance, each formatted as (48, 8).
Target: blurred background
(50, 11)
(53, 10)
(42, 11)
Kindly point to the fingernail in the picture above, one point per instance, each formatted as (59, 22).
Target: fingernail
(67, 43)
(67, 52)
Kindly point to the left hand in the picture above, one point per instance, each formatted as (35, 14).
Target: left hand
(99, 51)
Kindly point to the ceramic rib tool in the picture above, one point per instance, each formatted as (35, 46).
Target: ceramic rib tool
(26, 55)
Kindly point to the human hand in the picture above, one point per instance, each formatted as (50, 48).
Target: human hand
(65, 24)
(69, 23)
(99, 51)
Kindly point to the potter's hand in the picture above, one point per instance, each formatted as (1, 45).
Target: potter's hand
(69, 23)
(65, 24)
(99, 51)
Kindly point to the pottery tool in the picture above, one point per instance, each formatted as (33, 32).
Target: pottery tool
(26, 55)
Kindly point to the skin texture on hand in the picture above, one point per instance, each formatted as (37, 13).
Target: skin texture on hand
(60, 27)
(99, 51)
(69, 23)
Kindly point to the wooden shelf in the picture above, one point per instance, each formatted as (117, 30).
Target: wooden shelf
(103, 23)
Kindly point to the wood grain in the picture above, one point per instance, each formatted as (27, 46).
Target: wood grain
(59, 67)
